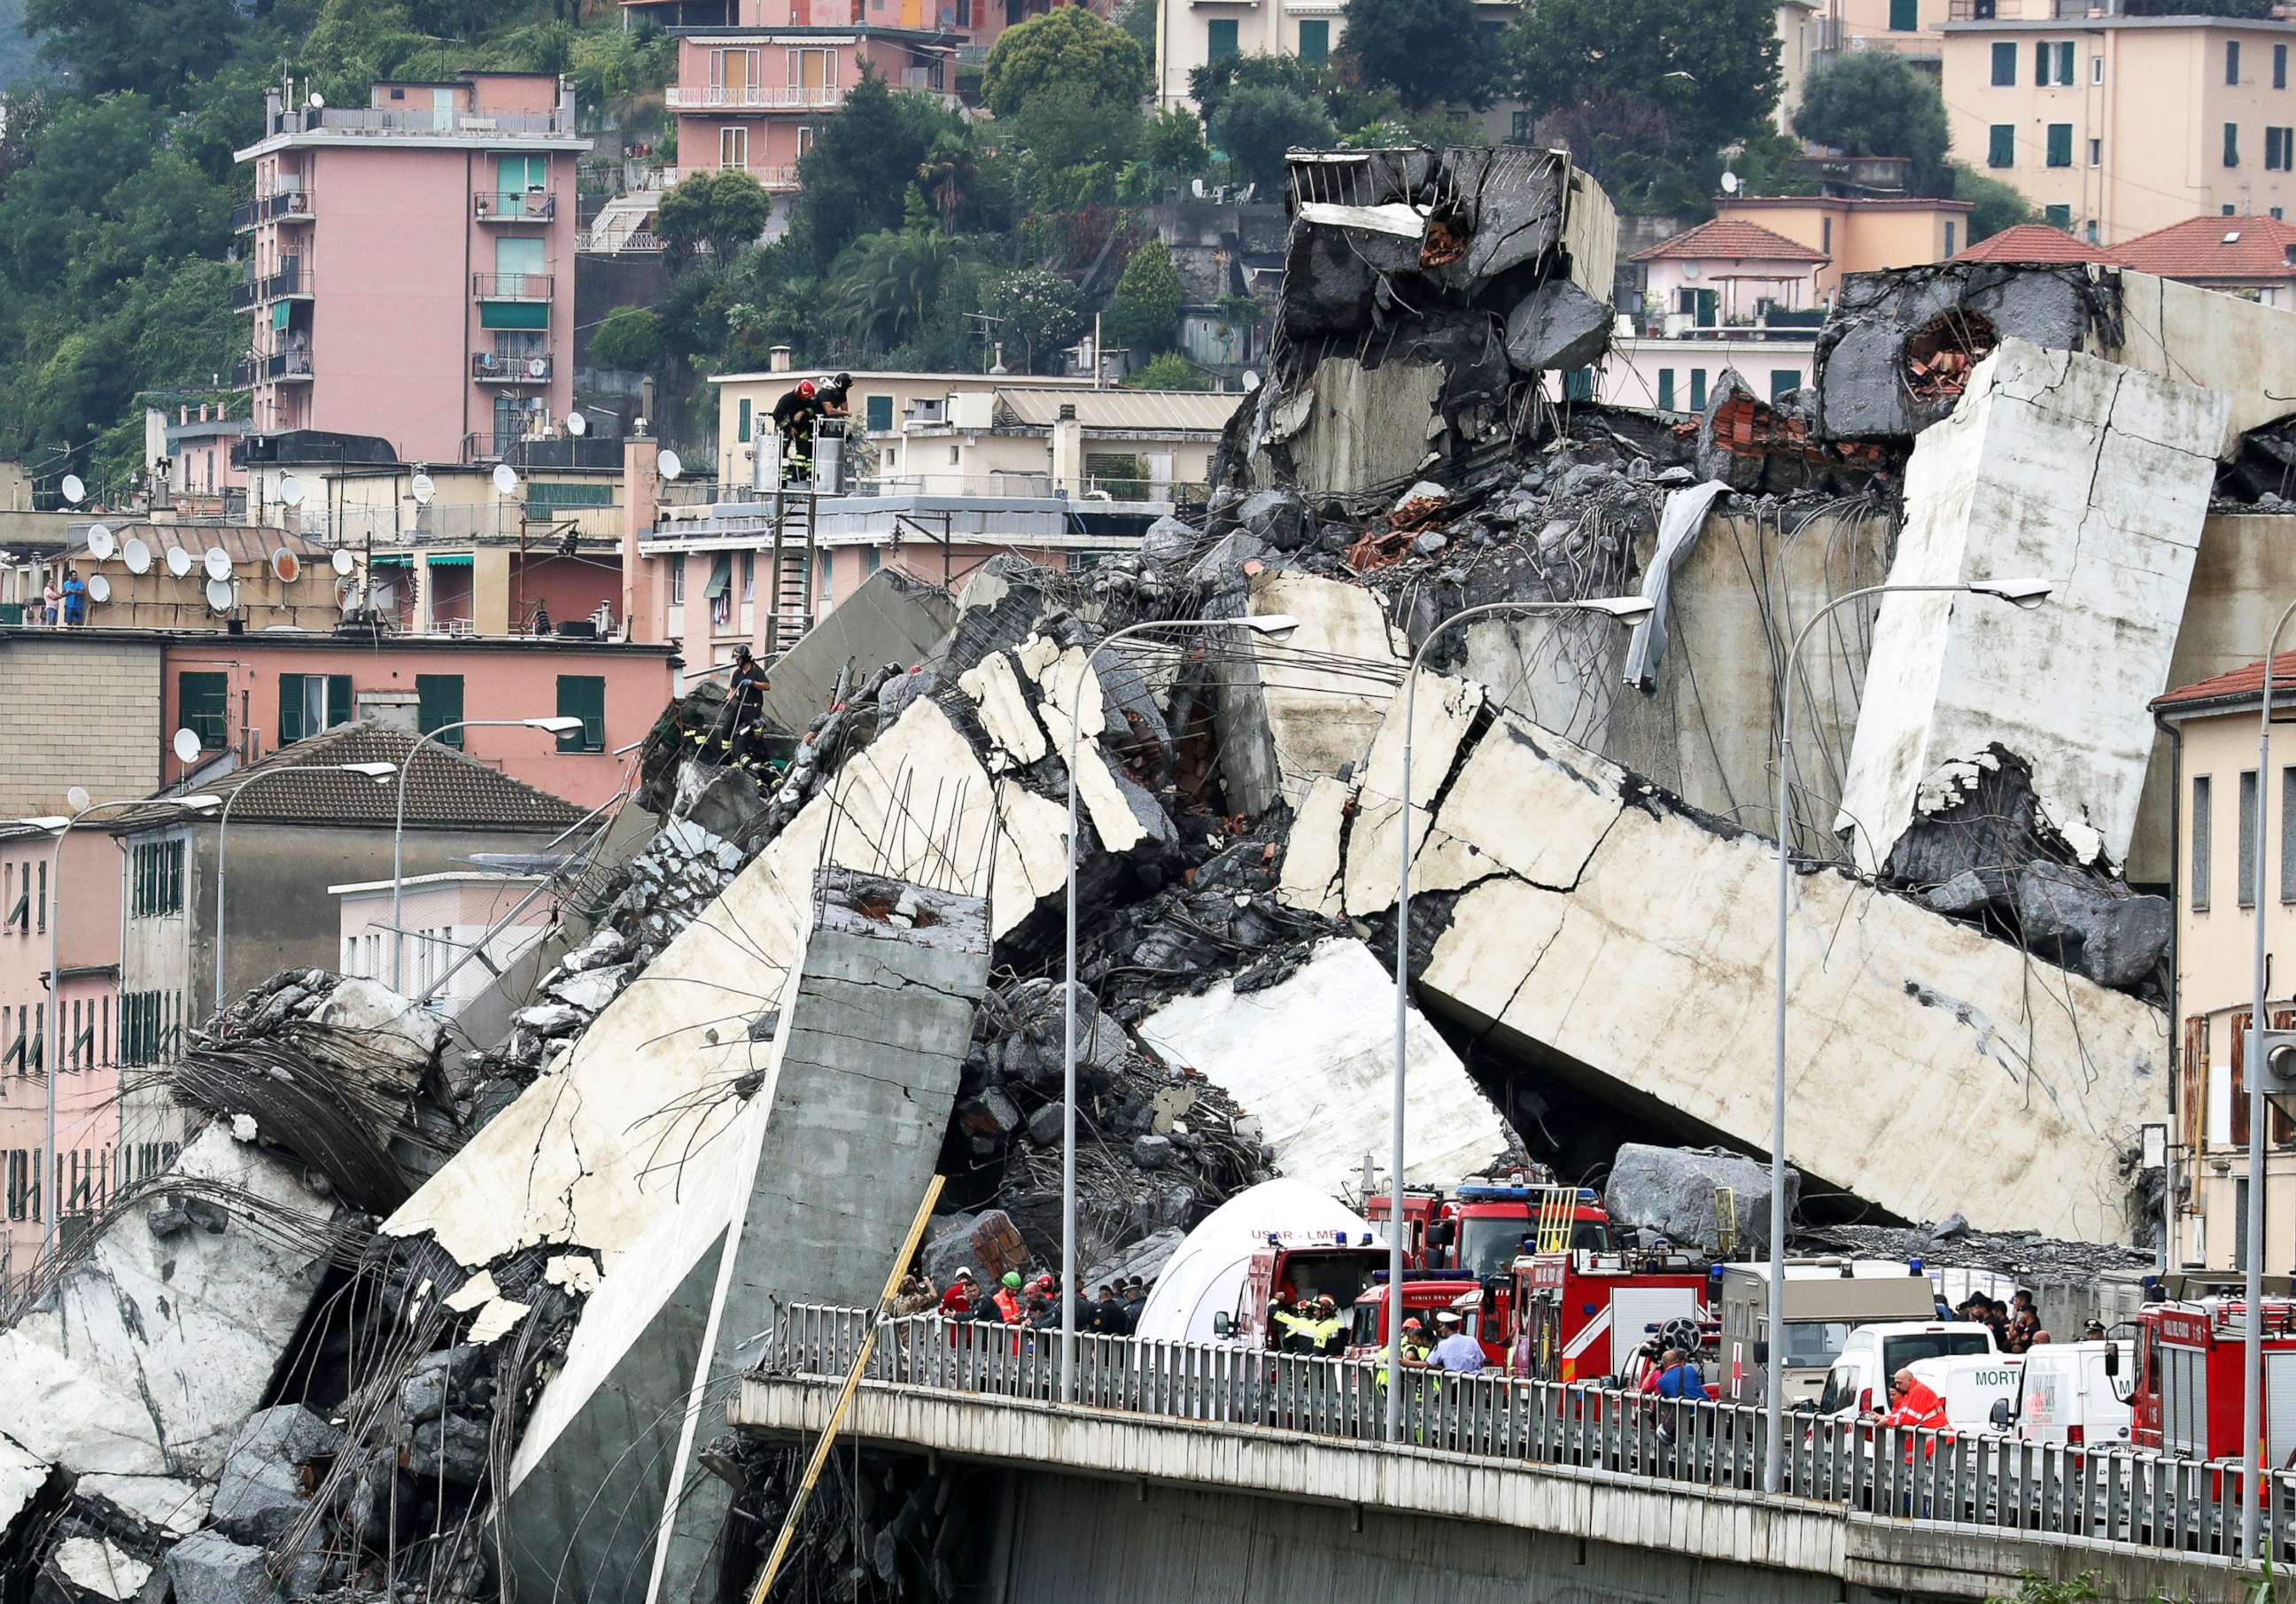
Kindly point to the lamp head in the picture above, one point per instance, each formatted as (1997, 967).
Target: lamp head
(372, 771)
(2026, 594)
(558, 725)
(205, 802)
(1625, 609)
(50, 822)
(1277, 626)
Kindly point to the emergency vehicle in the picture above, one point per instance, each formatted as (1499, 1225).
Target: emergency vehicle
(2186, 1395)
(1294, 1264)
(1579, 1314)
(1426, 1293)
(1482, 1226)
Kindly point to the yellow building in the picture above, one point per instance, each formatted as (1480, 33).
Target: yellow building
(2211, 726)
(2114, 126)
(1856, 236)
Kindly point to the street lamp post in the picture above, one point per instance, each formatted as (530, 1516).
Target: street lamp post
(377, 772)
(2017, 593)
(1273, 626)
(52, 1052)
(564, 724)
(2251, 1381)
(1621, 609)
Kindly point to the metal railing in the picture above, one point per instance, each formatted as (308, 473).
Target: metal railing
(490, 368)
(284, 205)
(254, 290)
(511, 286)
(635, 242)
(514, 206)
(1989, 1479)
(445, 123)
(755, 97)
(767, 177)
(270, 370)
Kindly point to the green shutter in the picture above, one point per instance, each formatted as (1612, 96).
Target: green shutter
(2058, 217)
(1578, 384)
(1666, 390)
(291, 709)
(2065, 62)
(1315, 40)
(744, 431)
(339, 699)
(2231, 145)
(583, 696)
(1698, 390)
(438, 703)
(2004, 65)
(1784, 381)
(202, 703)
(1219, 40)
(2041, 62)
(2001, 145)
(881, 414)
(1905, 15)
(2061, 144)
(513, 314)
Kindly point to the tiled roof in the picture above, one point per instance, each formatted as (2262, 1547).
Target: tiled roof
(242, 543)
(444, 789)
(2034, 242)
(1731, 240)
(2241, 684)
(2214, 248)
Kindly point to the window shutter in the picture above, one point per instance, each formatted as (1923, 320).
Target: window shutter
(2239, 1079)
(743, 433)
(583, 696)
(2041, 63)
(291, 709)
(339, 699)
(438, 702)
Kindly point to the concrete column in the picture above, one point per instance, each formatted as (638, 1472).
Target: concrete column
(490, 602)
(1068, 450)
(641, 496)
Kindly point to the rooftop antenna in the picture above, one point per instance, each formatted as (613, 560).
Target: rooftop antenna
(1730, 182)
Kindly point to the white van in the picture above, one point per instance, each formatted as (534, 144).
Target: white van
(1972, 1386)
(1858, 1381)
(2066, 1396)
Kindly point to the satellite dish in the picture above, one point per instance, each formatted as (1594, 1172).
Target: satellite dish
(76, 798)
(179, 561)
(219, 594)
(421, 487)
(137, 555)
(316, 101)
(188, 747)
(100, 543)
(1250, 381)
(668, 465)
(1690, 270)
(99, 588)
(577, 424)
(75, 491)
(537, 367)
(505, 480)
(290, 490)
(1729, 181)
(341, 561)
(285, 566)
(217, 563)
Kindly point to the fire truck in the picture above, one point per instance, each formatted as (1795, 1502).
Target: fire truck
(1293, 1264)
(1483, 1227)
(1579, 1313)
(1426, 1293)
(2186, 1395)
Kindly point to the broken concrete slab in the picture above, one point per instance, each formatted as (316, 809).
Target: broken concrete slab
(23, 1475)
(1676, 1193)
(261, 1491)
(1557, 326)
(1921, 1049)
(2058, 466)
(87, 1567)
(1313, 1058)
(207, 1567)
(1285, 722)
(891, 618)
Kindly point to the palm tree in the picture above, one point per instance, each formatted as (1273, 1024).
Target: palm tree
(946, 177)
(894, 284)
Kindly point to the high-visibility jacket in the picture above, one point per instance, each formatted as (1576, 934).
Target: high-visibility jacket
(1008, 1306)
(1922, 1409)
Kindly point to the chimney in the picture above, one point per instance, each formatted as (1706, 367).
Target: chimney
(777, 359)
(1068, 449)
(183, 414)
(641, 498)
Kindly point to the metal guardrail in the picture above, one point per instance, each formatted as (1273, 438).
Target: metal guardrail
(453, 123)
(637, 242)
(256, 289)
(269, 370)
(514, 206)
(754, 97)
(511, 286)
(488, 368)
(284, 204)
(2149, 1501)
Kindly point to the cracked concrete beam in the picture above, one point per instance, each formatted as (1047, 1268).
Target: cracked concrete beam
(1283, 723)
(1005, 713)
(1313, 851)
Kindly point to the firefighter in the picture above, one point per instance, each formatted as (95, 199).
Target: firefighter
(1300, 1331)
(1007, 1301)
(835, 395)
(794, 416)
(1328, 1323)
(745, 689)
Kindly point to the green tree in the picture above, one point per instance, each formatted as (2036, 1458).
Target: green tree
(1994, 205)
(628, 337)
(1876, 103)
(893, 286)
(860, 170)
(724, 208)
(947, 177)
(1709, 67)
(1143, 314)
(1630, 147)
(1257, 124)
(1063, 126)
(1066, 46)
(1421, 49)
(1173, 143)
(1137, 19)
(1210, 84)
(153, 47)
(1037, 311)
(1168, 371)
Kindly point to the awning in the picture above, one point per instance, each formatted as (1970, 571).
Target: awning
(513, 314)
(452, 559)
(388, 559)
(719, 576)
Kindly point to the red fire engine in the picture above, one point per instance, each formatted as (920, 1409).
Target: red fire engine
(1581, 1314)
(1426, 1293)
(1297, 1264)
(1481, 1228)
(2186, 1394)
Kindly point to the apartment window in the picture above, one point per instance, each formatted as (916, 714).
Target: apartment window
(583, 696)
(2288, 835)
(2058, 217)
(2097, 152)
(1666, 390)
(2061, 144)
(2245, 892)
(1315, 41)
(1825, 235)
(1521, 128)
(309, 703)
(734, 147)
(678, 581)
(2088, 231)
(1952, 231)
(2004, 65)
(2275, 149)
(871, 559)
(1698, 390)
(2052, 62)
(2232, 147)
(2001, 145)
(1784, 381)
(2096, 67)
(1219, 40)
(880, 414)
(749, 575)
(2232, 60)
(825, 591)
(156, 880)
(741, 429)
(40, 903)
(438, 703)
(1905, 16)
(2202, 788)
(203, 706)
(2224, 210)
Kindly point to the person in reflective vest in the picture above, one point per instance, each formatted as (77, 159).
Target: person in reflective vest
(1915, 1403)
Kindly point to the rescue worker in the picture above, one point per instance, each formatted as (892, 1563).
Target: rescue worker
(745, 690)
(1457, 1352)
(1915, 1404)
(794, 416)
(957, 1298)
(835, 395)
(1297, 1329)
(1007, 1301)
(1135, 1299)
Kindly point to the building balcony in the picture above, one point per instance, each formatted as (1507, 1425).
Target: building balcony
(488, 367)
(514, 206)
(283, 367)
(757, 97)
(542, 451)
(775, 178)
(287, 206)
(377, 121)
(2025, 11)
(511, 286)
(289, 282)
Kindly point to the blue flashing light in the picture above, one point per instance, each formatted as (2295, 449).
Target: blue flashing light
(1914, 1265)
(1495, 1194)
(1586, 1194)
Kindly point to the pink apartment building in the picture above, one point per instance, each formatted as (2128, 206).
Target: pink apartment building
(410, 263)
